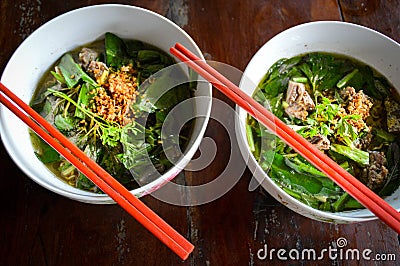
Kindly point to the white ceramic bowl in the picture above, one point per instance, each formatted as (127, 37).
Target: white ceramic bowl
(356, 41)
(64, 33)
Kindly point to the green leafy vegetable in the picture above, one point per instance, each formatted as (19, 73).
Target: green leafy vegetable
(43, 151)
(149, 56)
(73, 73)
(116, 53)
(357, 155)
(339, 204)
(86, 94)
(302, 167)
(64, 123)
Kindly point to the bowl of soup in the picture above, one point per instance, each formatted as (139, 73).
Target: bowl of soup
(115, 91)
(336, 84)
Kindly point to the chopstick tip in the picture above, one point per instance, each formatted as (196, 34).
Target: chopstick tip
(187, 253)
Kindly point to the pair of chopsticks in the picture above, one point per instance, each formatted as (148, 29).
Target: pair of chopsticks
(346, 181)
(97, 175)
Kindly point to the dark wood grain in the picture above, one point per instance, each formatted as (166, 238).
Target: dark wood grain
(244, 26)
(38, 227)
(380, 15)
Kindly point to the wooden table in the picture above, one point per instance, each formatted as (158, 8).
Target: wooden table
(38, 227)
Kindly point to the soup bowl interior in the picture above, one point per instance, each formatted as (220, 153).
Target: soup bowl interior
(47, 44)
(358, 42)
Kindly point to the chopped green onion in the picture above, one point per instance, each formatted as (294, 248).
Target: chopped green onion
(250, 139)
(339, 204)
(300, 79)
(346, 78)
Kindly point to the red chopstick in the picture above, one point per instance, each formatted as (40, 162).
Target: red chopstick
(321, 161)
(158, 227)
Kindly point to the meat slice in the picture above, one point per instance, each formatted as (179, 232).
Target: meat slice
(298, 100)
(99, 71)
(347, 93)
(86, 56)
(321, 142)
(364, 142)
(375, 175)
